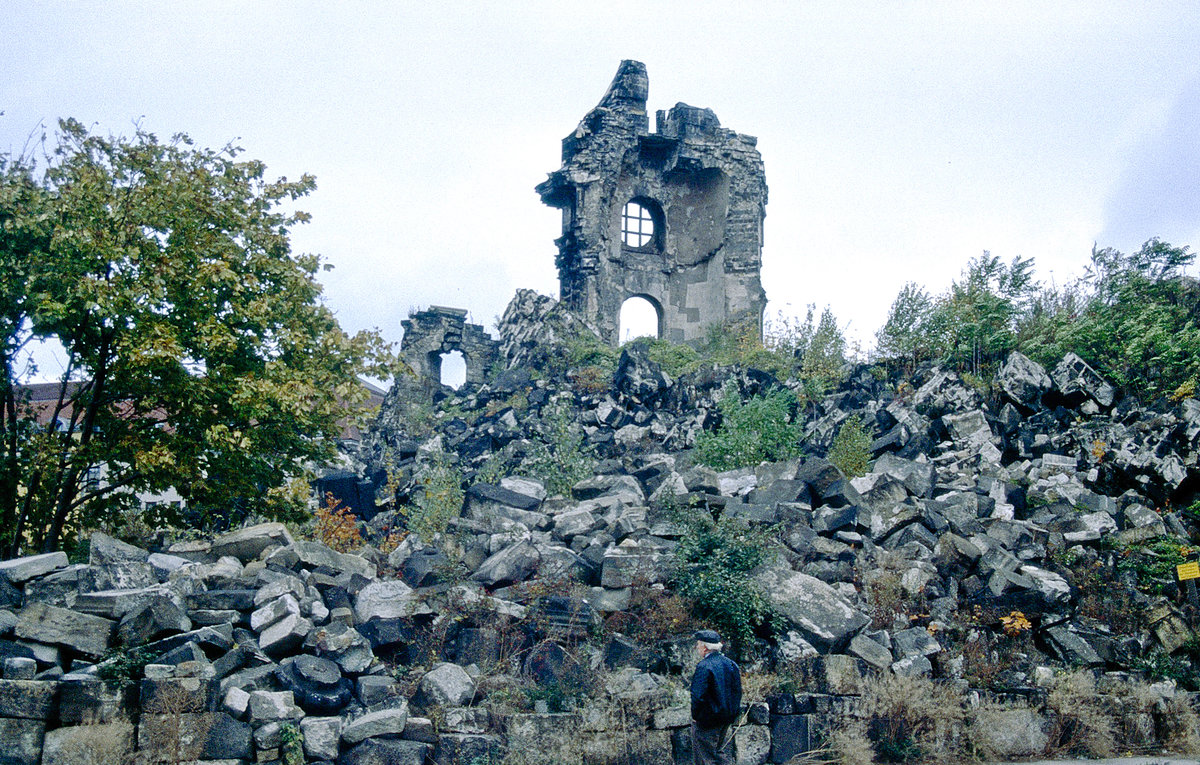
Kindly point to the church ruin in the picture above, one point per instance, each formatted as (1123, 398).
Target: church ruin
(432, 334)
(674, 216)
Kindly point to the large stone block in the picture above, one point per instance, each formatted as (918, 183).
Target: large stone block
(1023, 380)
(93, 744)
(321, 737)
(790, 736)
(630, 565)
(121, 575)
(84, 699)
(385, 751)
(104, 549)
(114, 604)
(248, 543)
(285, 634)
(626, 747)
(204, 736)
(446, 685)
(1010, 734)
(20, 570)
(21, 741)
(314, 555)
(818, 612)
(273, 706)
(27, 699)
(752, 745)
(469, 748)
(172, 695)
(1075, 378)
(273, 611)
(158, 618)
(390, 599)
(515, 563)
(89, 635)
(546, 739)
(382, 722)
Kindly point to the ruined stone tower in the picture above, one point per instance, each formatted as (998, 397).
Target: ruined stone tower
(674, 216)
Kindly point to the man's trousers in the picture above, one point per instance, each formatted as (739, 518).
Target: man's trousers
(712, 746)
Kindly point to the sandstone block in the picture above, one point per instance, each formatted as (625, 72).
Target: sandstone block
(27, 699)
(20, 570)
(89, 635)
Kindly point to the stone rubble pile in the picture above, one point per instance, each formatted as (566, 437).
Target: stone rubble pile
(968, 504)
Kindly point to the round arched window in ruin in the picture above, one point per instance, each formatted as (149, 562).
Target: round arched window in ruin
(640, 224)
(641, 316)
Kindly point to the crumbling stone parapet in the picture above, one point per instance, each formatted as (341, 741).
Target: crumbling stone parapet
(674, 216)
(439, 330)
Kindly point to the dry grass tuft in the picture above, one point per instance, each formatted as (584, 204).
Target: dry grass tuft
(90, 744)
(757, 686)
(1080, 722)
(847, 745)
(912, 718)
(1181, 727)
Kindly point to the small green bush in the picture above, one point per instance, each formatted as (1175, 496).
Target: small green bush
(1154, 561)
(850, 451)
(712, 565)
(585, 350)
(561, 459)
(122, 668)
(765, 427)
(674, 358)
(292, 741)
(440, 502)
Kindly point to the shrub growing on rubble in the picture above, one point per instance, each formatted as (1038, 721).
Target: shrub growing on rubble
(851, 449)
(712, 565)
(764, 427)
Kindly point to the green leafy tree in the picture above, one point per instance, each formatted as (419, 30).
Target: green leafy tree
(197, 352)
(977, 318)
(824, 355)
(906, 335)
(1141, 327)
(560, 457)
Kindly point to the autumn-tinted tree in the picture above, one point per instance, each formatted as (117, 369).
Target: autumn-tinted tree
(198, 353)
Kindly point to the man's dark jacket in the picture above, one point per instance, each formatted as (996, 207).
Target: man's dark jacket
(716, 692)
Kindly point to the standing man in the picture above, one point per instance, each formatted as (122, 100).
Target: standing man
(716, 702)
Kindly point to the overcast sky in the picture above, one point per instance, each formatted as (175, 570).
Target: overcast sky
(900, 138)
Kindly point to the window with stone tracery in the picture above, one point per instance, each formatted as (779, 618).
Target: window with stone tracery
(637, 225)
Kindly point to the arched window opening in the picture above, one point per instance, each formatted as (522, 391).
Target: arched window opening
(637, 225)
(639, 318)
(453, 369)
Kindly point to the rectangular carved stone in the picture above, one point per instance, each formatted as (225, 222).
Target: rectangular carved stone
(94, 742)
(89, 635)
(20, 570)
(27, 699)
(86, 700)
(22, 741)
(205, 736)
(546, 739)
(790, 736)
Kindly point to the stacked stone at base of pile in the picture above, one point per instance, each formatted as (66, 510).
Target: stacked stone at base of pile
(255, 642)
(252, 638)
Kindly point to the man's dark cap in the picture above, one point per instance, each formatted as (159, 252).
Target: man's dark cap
(708, 636)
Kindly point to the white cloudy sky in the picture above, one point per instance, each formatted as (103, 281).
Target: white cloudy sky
(900, 138)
